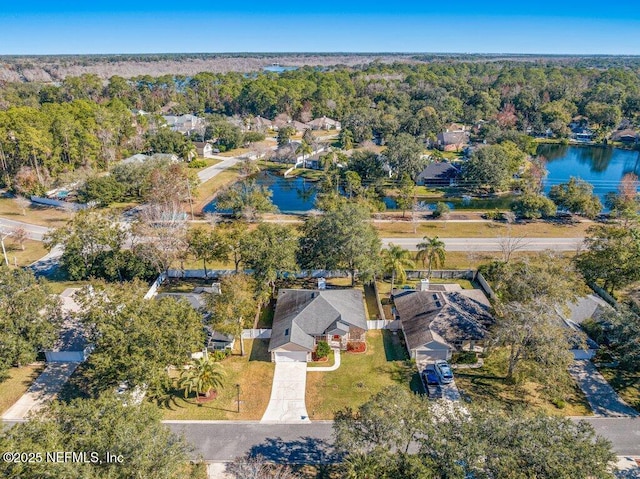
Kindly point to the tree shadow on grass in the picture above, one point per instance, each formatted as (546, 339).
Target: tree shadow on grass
(260, 351)
(394, 350)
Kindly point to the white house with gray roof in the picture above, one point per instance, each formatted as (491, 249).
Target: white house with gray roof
(303, 317)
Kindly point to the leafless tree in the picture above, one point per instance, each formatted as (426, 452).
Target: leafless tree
(19, 236)
(256, 467)
(162, 233)
(23, 203)
(510, 243)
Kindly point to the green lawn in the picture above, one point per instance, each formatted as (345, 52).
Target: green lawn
(37, 215)
(15, 384)
(207, 189)
(452, 229)
(33, 251)
(487, 386)
(385, 363)
(626, 384)
(254, 374)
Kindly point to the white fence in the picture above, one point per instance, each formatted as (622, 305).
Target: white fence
(154, 287)
(392, 325)
(256, 333)
(68, 356)
(59, 204)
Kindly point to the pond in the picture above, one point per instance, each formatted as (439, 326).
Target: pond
(290, 195)
(603, 167)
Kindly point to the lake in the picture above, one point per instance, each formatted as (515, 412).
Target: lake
(603, 167)
(290, 195)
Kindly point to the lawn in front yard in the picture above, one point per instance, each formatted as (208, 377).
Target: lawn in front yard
(254, 374)
(34, 214)
(16, 382)
(33, 251)
(385, 363)
(487, 386)
(626, 384)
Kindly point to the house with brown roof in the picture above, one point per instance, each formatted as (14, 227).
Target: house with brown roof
(453, 138)
(324, 123)
(303, 317)
(204, 149)
(627, 135)
(438, 322)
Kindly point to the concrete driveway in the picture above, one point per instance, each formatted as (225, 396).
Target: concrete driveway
(43, 389)
(603, 399)
(287, 404)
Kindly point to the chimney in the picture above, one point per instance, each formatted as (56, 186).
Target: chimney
(423, 285)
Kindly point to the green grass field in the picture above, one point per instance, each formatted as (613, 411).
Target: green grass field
(385, 363)
(254, 374)
(16, 383)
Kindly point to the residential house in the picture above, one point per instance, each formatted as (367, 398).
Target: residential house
(438, 174)
(140, 158)
(577, 312)
(216, 341)
(299, 126)
(628, 135)
(204, 149)
(185, 124)
(437, 321)
(454, 138)
(303, 317)
(324, 123)
(261, 124)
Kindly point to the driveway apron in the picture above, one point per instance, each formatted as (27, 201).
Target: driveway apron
(287, 403)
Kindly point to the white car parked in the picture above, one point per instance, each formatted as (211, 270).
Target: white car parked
(443, 370)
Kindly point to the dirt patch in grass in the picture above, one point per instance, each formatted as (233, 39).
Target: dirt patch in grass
(360, 376)
(15, 383)
(488, 386)
(254, 374)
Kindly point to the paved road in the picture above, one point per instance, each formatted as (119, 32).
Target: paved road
(34, 232)
(297, 443)
(604, 401)
(491, 244)
(215, 170)
(287, 402)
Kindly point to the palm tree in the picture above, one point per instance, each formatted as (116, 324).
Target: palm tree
(431, 252)
(204, 375)
(396, 259)
(304, 149)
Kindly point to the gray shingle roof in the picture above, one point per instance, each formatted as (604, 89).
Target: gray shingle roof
(441, 316)
(302, 314)
(440, 171)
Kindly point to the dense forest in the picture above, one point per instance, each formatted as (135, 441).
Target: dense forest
(87, 122)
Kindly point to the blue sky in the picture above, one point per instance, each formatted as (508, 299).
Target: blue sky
(542, 26)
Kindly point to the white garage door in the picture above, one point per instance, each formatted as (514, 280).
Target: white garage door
(430, 356)
(291, 356)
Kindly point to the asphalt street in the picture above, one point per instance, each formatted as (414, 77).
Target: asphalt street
(34, 232)
(217, 441)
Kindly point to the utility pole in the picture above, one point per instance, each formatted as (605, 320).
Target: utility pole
(238, 395)
(190, 199)
(4, 251)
